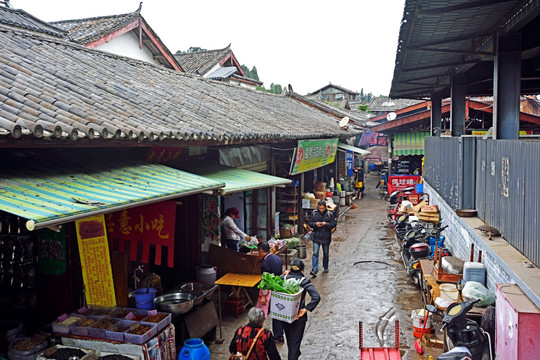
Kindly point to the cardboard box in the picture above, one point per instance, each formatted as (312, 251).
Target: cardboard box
(284, 307)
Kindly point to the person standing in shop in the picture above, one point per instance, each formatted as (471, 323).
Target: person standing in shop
(322, 221)
(272, 264)
(359, 182)
(230, 233)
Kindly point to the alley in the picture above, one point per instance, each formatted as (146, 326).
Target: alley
(366, 282)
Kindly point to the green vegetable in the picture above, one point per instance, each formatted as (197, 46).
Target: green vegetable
(276, 283)
(293, 242)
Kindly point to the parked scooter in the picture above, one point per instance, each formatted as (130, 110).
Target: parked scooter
(395, 199)
(461, 331)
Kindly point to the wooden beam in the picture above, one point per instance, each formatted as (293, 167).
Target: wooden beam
(407, 120)
(161, 49)
(464, 6)
(94, 44)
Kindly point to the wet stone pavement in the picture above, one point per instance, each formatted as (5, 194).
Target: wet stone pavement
(367, 282)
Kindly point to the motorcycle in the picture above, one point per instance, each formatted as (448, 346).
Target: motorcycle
(395, 199)
(462, 332)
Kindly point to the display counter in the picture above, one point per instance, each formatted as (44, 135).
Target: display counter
(160, 347)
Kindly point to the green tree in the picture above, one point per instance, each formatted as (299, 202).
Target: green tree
(253, 73)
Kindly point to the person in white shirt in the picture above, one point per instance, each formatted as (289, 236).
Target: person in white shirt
(230, 233)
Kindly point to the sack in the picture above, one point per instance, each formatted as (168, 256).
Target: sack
(359, 184)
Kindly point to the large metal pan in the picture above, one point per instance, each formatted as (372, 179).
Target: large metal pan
(207, 289)
(175, 303)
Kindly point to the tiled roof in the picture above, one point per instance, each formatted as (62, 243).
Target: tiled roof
(358, 118)
(386, 104)
(60, 91)
(84, 31)
(21, 19)
(334, 86)
(201, 62)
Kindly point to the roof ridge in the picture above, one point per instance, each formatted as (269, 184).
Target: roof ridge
(21, 11)
(137, 12)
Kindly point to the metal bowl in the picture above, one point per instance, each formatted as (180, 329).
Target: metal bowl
(207, 289)
(175, 303)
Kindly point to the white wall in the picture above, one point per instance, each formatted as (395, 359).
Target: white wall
(128, 45)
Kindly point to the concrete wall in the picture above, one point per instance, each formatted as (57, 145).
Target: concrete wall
(128, 45)
(460, 237)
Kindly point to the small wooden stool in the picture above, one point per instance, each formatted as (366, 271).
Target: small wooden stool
(234, 304)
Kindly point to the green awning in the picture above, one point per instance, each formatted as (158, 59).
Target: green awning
(409, 143)
(236, 179)
(57, 192)
(354, 149)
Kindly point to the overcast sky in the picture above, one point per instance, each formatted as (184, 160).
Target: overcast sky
(305, 43)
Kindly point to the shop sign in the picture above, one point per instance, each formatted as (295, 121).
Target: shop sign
(150, 225)
(52, 252)
(483, 132)
(164, 155)
(313, 154)
(349, 158)
(210, 220)
(95, 261)
(379, 140)
(399, 182)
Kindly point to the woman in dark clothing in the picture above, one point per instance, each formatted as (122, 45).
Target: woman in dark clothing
(294, 332)
(264, 348)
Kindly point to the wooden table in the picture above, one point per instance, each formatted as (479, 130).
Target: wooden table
(239, 283)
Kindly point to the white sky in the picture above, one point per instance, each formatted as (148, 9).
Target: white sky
(305, 43)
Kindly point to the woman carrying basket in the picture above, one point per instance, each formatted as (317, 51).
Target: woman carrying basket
(256, 342)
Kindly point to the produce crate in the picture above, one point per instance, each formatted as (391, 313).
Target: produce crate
(116, 332)
(161, 324)
(284, 307)
(140, 339)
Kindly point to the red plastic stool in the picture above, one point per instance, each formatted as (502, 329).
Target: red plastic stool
(234, 304)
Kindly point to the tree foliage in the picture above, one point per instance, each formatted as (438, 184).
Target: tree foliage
(252, 74)
(274, 89)
(192, 49)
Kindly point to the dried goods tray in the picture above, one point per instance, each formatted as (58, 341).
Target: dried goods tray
(140, 339)
(161, 324)
(117, 331)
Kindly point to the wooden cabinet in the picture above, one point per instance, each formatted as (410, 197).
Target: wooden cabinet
(287, 203)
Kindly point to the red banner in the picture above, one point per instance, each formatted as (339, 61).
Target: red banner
(398, 182)
(149, 225)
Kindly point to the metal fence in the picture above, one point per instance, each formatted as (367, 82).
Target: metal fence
(500, 179)
(507, 191)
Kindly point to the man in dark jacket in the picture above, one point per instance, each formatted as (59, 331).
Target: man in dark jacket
(322, 222)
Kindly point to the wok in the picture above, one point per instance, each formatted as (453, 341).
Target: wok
(175, 303)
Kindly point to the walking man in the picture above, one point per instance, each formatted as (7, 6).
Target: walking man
(322, 221)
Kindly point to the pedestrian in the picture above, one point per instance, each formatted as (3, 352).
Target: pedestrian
(294, 332)
(272, 264)
(230, 233)
(322, 221)
(359, 182)
(253, 340)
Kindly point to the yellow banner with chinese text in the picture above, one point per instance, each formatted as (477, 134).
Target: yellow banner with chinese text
(95, 261)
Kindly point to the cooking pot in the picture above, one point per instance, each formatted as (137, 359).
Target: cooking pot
(420, 250)
(175, 303)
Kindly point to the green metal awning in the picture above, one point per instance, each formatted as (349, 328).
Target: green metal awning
(354, 149)
(235, 179)
(56, 192)
(409, 143)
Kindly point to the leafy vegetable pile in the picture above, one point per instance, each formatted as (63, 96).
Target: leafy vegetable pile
(276, 283)
(293, 242)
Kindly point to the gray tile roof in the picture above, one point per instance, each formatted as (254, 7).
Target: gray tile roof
(336, 87)
(386, 104)
(85, 31)
(60, 92)
(201, 62)
(21, 19)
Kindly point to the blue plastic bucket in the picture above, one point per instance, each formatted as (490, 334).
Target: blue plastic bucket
(143, 300)
(419, 188)
(194, 349)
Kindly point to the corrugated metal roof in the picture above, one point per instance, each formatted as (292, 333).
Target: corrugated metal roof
(62, 188)
(236, 180)
(62, 91)
(438, 38)
(222, 73)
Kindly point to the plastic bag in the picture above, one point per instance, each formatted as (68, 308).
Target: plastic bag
(474, 290)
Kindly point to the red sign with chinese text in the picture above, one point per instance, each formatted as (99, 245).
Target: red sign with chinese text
(398, 182)
(149, 225)
(163, 155)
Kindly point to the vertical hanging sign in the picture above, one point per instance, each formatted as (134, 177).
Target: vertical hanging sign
(349, 158)
(95, 261)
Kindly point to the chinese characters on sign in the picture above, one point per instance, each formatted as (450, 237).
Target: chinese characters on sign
(164, 155)
(312, 154)
(148, 225)
(95, 261)
(349, 157)
(398, 182)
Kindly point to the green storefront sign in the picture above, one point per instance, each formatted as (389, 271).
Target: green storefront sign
(313, 154)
